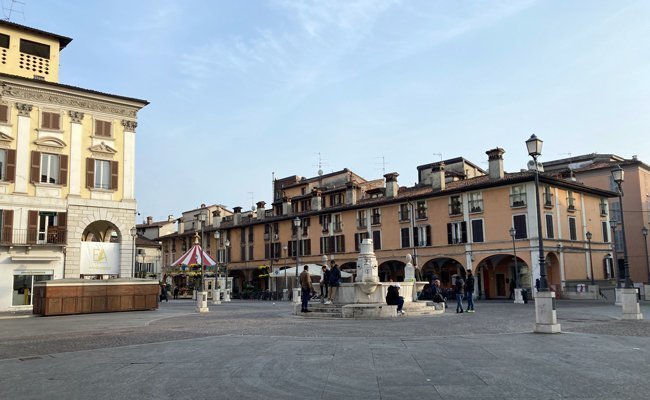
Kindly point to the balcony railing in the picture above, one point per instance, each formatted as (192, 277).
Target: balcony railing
(54, 235)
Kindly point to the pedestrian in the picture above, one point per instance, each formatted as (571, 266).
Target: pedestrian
(324, 283)
(512, 289)
(469, 291)
(306, 289)
(537, 284)
(176, 290)
(394, 299)
(458, 291)
(163, 293)
(335, 282)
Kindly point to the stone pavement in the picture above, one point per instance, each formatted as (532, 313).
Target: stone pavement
(256, 350)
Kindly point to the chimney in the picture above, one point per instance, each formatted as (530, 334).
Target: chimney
(181, 225)
(216, 218)
(350, 194)
(392, 187)
(261, 213)
(170, 218)
(438, 177)
(149, 220)
(236, 218)
(316, 200)
(495, 160)
(286, 206)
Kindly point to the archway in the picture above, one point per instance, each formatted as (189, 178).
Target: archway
(392, 269)
(238, 280)
(497, 276)
(350, 267)
(553, 272)
(100, 251)
(444, 268)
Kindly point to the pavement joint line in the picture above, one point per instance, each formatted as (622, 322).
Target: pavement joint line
(166, 317)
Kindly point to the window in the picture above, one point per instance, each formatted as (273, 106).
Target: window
(518, 196)
(457, 232)
(361, 219)
(337, 225)
(7, 165)
(573, 233)
(4, 113)
(332, 244)
(421, 210)
(4, 41)
(475, 202)
(325, 222)
(305, 205)
(548, 197)
(375, 217)
(571, 201)
(102, 128)
(519, 223)
(50, 120)
(550, 233)
(477, 231)
(376, 240)
(6, 225)
(406, 238)
(101, 174)
(616, 211)
(455, 205)
(46, 227)
(294, 208)
(336, 199)
(422, 236)
(49, 168)
(35, 49)
(23, 288)
(605, 226)
(603, 207)
(304, 224)
(358, 238)
(404, 214)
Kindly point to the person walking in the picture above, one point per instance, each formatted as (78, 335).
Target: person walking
(458, 291)
(469, 291)
(324, 283)
(335, 282)
(163, 293)
(307, 289)
(176, 290)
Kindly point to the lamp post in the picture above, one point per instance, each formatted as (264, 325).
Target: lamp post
(613, 223)
(286, 283)
(618, 175)
(296, 224)
(534, 145)
(513, 233)
(644, 232)
(202, 218)
(134, 233)
(591, 260)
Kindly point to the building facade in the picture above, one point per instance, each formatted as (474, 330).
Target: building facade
(457, 217)
(67, 162)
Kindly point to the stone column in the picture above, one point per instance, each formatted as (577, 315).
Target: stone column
(75, 167)
(129, 159)
(545, 314)
(23, 159)
(630, 303)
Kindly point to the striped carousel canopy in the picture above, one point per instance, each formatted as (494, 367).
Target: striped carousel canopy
(194, 256)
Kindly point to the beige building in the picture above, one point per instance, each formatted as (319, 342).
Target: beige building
(67, 159)
(457, 217)
(595, 170)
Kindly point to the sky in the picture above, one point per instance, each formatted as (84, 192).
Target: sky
(242, 90)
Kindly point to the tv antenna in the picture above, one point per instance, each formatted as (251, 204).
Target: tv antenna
(439, 155)
(8, 11)
(383, 164)
(321, 164)
(252, 200)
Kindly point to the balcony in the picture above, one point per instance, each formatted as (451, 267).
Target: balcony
(56, 235)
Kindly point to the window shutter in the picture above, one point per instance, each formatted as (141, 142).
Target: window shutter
(477, 231)
(4, 113)
(114, 174)
(7, 226)
(342, 243)
(376, 240)
(32, 226)
(46, 120)
(356, 242)
(405, 237)
(63, 170)
(62, 222)
(36, 167)
(450, 238)
(56, 121)
(90, 172)
(11, 166)
(428, 230)
(322, 245)
(464, 230)
(307, 247)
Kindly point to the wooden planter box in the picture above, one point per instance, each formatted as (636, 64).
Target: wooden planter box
(83, 296)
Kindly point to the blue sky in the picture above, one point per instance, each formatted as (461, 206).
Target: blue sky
(242, 89)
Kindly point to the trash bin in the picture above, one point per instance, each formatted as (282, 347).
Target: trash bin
(524, 295)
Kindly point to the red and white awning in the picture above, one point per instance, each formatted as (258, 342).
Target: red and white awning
(194, 256)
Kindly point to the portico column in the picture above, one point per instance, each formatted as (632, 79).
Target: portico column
(76, 118)
(22, 147)
(129, 158)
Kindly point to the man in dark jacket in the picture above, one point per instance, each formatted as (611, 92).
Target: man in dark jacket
(324, 283)
(469, 291)
(394, 299)
(458, 291)
(307, 289)
(335, 282)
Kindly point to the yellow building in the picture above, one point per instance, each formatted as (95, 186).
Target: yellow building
(66, 171)
(457, 217)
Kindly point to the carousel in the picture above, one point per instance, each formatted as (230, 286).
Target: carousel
(188, 271)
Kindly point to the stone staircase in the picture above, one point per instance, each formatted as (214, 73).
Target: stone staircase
(320, 310)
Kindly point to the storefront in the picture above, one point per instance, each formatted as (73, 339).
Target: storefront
(19, 273)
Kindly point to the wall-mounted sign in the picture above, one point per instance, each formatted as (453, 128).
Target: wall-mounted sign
(100, 258)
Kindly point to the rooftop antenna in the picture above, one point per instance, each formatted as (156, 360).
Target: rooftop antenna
(383, 164)
(439, 155)
(566, 154)
(321, 164)
(8, 11)
(252, 200)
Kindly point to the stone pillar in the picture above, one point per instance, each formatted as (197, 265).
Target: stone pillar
(75, 167)
(129, 159)
(202, 302)
(519, 299)
(630, 303)
(23, 155)
(367, 267)
(545, 314)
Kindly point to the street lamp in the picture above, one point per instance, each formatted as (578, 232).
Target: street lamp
(134, 233)
(618, 176)
(513, 233)
(613, 223)
(644, 232)
(202, 218)
(591, 260)
(296, 224)
(534, 145)
(286, 283)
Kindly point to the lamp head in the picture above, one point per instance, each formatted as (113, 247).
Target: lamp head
(134, 231)
(534, 145)
(618, 174)
(513, 232)
(588, 235)
(644, 231)
(296, 222)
